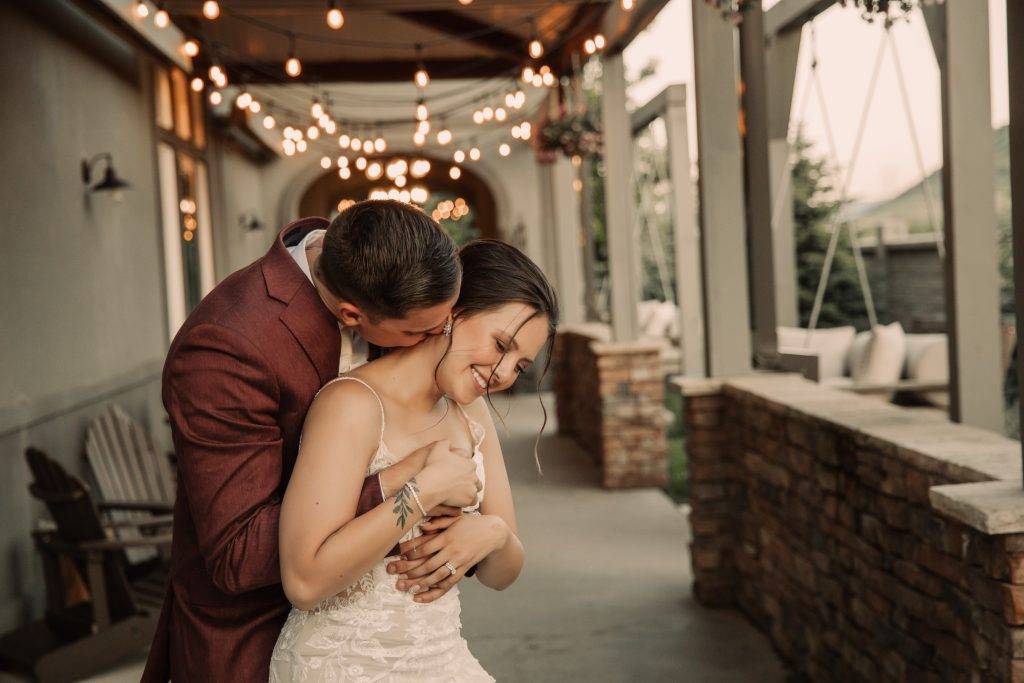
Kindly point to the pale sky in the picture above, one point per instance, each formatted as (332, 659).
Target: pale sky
(847, 46)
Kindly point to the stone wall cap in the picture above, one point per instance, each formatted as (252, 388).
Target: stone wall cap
(991, 507)
(697, 386)
(625, 348)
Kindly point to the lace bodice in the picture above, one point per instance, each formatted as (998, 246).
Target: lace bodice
(374, 632)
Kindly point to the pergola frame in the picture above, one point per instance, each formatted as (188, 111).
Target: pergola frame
(768, 51)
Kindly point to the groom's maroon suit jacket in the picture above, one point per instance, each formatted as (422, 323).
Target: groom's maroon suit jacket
(239, 377)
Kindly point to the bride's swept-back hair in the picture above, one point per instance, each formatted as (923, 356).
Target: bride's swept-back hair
(494, 274)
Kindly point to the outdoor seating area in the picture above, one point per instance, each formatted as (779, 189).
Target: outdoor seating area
(778, 425)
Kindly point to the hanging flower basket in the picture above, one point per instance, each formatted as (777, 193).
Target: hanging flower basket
(572, 135)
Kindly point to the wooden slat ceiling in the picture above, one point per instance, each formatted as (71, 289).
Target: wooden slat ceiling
(379, 38)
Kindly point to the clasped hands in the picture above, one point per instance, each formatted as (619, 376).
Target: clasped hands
(449, 535)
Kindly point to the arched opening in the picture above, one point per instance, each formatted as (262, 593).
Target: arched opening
(323, 195)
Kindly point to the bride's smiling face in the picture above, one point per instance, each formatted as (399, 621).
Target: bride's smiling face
(489, 350)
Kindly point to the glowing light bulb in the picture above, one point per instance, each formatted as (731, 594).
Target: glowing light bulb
(474, 154)
(528, 73)
(419, 194)
(269, 122)
(293, 67)
(312, 132)
(255, 107)
(211, 9)
(520, 99)
(488, 113)
(628, 5)
(423, 127)
(400, 181)
(316, 110)
(288, 146)
(515, 132)
(216, 98)
(455, 173)
(374, 171)
(444, 136)
(537, 81)
(190, 48)
(404, 196)
(536, 49)
(335, 19)
(301, 145)
(141, 9)
(419, 139)
(243, 100)
(355, 145)
(361, 163)
(548, 79)
(422, 78)
(197, 84)
(504, 150)
(589, 46)
(419, 168)
(343, 141)
(422, 113)
(161, 19)
(380, 144)
(459, 156)
(325, 163)
(368, 146)
(342, 162)
(344, 173)
(500, 114)
(599, 41)
(478, 117)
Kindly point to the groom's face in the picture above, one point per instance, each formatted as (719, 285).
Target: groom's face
(412, 329)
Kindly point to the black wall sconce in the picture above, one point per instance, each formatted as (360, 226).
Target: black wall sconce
(111, 182)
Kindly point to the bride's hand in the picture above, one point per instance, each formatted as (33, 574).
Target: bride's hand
(464, 543)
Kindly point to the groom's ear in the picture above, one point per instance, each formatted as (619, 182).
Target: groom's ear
(349, 314)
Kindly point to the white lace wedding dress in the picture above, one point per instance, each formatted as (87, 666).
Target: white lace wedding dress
(374, 632)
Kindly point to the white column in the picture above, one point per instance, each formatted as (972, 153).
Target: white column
(623, 254)
(722, 223)
(689, 279)
(560, 207)
(960, 35)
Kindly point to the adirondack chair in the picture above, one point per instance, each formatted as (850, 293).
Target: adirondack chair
(127, 468)
(90, 627)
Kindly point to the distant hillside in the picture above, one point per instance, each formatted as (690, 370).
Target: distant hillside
(909, 205)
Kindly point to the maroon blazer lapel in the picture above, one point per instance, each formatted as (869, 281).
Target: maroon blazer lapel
(306, 317)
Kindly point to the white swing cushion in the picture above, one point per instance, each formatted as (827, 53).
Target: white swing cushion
(882, 361)
(830, 344)
(928, 361)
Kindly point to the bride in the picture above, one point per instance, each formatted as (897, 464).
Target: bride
(352, 618)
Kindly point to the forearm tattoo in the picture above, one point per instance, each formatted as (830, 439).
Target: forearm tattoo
(403, 503)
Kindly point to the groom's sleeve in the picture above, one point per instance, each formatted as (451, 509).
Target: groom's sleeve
(223, 401)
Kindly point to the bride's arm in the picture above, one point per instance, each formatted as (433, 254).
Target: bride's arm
(501, 568)
(324, 547)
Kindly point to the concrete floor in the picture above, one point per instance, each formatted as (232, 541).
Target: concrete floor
(605, 594)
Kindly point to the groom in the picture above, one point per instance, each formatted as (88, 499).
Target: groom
(238, 380)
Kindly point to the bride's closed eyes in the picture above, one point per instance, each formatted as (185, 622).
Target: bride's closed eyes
(505, 346)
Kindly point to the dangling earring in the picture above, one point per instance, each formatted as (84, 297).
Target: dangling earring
(447, 330)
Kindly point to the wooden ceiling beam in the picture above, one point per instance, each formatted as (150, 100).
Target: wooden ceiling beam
(469, 30)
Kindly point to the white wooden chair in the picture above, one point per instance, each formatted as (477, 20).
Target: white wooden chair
(128, 469)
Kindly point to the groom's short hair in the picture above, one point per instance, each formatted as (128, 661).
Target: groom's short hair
(388, 258)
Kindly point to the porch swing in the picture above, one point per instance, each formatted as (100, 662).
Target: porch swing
(883, 360)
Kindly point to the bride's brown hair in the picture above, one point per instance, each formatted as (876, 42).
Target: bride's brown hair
(494, 274)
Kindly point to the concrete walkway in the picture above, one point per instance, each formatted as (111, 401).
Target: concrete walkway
(605, 594)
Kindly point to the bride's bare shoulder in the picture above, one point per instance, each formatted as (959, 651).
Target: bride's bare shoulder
(346, 400)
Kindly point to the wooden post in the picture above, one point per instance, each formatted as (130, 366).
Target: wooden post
(722, 223)
(1015, 39)
(689, 277)
(758, 182)
(959, 34)
(623, 254)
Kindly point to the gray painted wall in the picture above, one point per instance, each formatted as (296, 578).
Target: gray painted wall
(83, 307)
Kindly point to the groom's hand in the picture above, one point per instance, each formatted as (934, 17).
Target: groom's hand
(464, 542)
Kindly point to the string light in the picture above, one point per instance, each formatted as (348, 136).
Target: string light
(361, 163)
(400, 181)
(423, 127)
(488, 113)
(330, 127)
(269, 122)
(599, 41)
(589, 47)
(478, 117)
(288, 146)
(444, 136)
(343, 141)
(528, 74)
(419, 168)
(419, 194)
(316, 110)
(344, 173)
(474, 154)
(419, 139)
(500, 114)
(216, 98)
(292, 66)
(355, 144)
(312, 132)
(627, 5)
(190, 48)
(161, 19)
(374, 171)
(504, 150)
(422, 113)
(140, 9)
(197, 84)
(325, 163)
(421, 78)
(342, 162)
(380, 144)
(243, 100)
(335, 19)
(301, 145)
(211, 9)
(454, 172)
(255, 107)
(459, 156)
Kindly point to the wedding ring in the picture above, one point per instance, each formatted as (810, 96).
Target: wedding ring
(451, 567)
